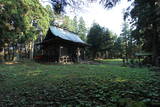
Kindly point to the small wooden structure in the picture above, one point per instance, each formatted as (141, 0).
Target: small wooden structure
(143, 55)
(61, 46)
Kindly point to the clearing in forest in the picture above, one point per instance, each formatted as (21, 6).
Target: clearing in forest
(108, 84)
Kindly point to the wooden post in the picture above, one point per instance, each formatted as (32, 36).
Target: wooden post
(31, 49)
(84, 54)
(106, 54)
(78, 54)
(17, 52)
(60, 53)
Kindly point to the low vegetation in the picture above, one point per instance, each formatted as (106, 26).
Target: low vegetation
(108, 84)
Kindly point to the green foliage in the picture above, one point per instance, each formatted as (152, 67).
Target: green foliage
(145, 15)
(108, 84)
(11, 21)
(118, 48)
(126, 43)
(75, 26)
(16, 20)
(100, 39)
(94, 38)
(82, 30)
(67, 23)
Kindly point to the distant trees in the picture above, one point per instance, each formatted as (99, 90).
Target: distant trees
(101, 41)
(119, 47)
(82, 30)
(127, 41)
(75, 25)
(67, 23)
(20, 22)
(105, 44)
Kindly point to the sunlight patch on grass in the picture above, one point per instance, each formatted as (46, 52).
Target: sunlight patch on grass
(120, 80)
(10, 63)
(113, 60)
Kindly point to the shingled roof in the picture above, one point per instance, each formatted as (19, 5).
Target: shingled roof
(66, 35)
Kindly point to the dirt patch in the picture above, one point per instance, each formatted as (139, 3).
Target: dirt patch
(10, 63)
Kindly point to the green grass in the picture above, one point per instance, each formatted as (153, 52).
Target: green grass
(108, 85)
(111, 61)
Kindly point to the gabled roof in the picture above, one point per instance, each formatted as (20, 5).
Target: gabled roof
(66, 35)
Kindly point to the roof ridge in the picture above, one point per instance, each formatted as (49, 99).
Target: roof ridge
(66, 30)
(65, 34)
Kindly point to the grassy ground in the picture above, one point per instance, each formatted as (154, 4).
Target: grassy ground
(104, 85)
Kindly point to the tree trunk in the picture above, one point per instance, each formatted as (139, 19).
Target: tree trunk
(126, 52)
(94, 54)
(25, 52)
(31, 49)
(8, 58)
(2, 55)
(20, 51)
(106, 54)
(13, 52)
(78, 54)
(154, 44)
(5, 53)
(131, 51)
(154, 50)
(16, 53)
(59, 54)
(155, 37)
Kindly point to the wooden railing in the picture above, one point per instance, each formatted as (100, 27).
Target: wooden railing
(65, 59)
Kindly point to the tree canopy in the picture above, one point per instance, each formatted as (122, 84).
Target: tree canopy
(75, 25)
(59, 5)
(100, 39)
(21, 19)
(21, 22)
(146, 18)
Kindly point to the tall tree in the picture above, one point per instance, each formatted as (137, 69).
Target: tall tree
(75, 24)
(21, 21)
(94, 39)
(100, 39)
(82, 30)
(119, 47)
(67, 23)
(126, 35)
(146, 16)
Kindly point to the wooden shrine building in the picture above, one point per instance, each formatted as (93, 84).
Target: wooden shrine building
(61, 46)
